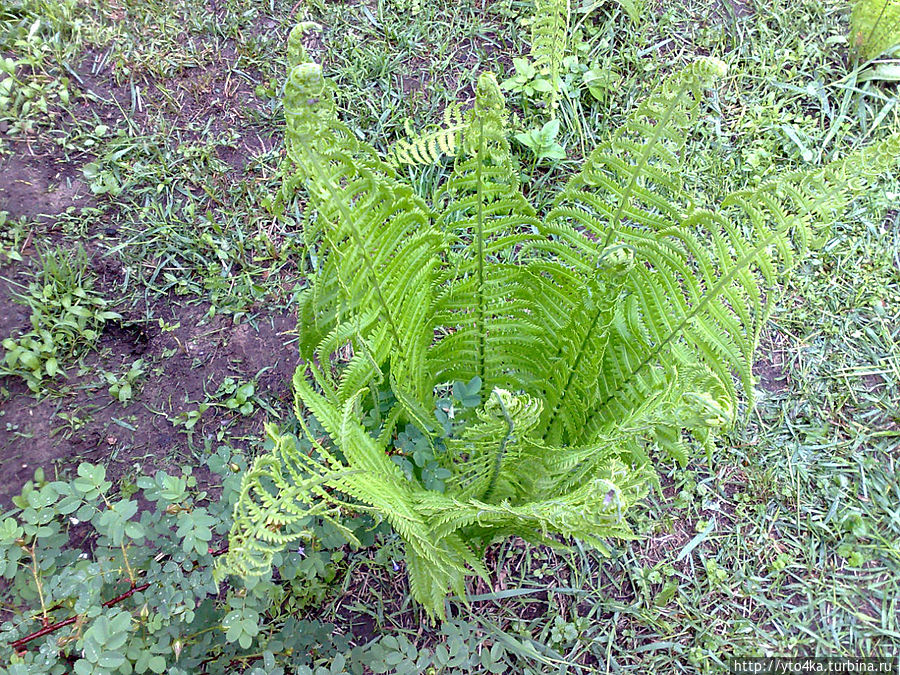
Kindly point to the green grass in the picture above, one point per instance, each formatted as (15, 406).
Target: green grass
(784, 540)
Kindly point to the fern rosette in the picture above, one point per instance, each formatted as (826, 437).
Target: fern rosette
(601, 336)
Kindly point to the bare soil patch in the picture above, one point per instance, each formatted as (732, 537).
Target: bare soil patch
(39, 185)
(97, 428)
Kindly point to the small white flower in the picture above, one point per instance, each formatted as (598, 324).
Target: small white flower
(74, 520)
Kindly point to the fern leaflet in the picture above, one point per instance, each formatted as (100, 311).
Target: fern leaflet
(875, 27)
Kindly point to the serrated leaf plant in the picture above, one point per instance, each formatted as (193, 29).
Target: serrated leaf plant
(605, 331)
(93, 585)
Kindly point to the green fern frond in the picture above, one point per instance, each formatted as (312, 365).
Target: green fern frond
(374, 481)
(382, 251)
(549, 37)
(630, 182)
(875, 27)
(460, 134)
(280, 495)
(636, 174)
(485, 458)
(590, 512)
(427, 147)
(296, 50)
(572, 376)
(700, 293)
(483, 300)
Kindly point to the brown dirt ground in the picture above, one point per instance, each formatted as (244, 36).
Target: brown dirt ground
(40, 186)
(38, 183)
(32, 434)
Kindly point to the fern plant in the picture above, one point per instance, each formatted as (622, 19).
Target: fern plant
(550, 27)
(875, 27)
(428, 146)
(605, 332)
(549, 36)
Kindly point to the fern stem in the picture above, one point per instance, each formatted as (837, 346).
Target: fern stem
(479, 244)
(573, 368)
(501, 450)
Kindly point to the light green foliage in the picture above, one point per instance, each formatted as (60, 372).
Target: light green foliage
(189, 418)
(186, 233)
(102, 181)
(550, 41)
(528, 80)
(155, 553)
(542, 142)
(549, 37)
(428, 146)
(121, 387)
(548, 73)
(238, 396)
(601, 332)
(447, 139)
(12, 234)
(875, 26)
(457, 653)
(232, 394)
(38, 33)
(600, 80)
(411, 6)
(142, 597)
(67, 316)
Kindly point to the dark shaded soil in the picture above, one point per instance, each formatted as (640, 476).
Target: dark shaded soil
(87, 424)
(185, 366)
(39, 186)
